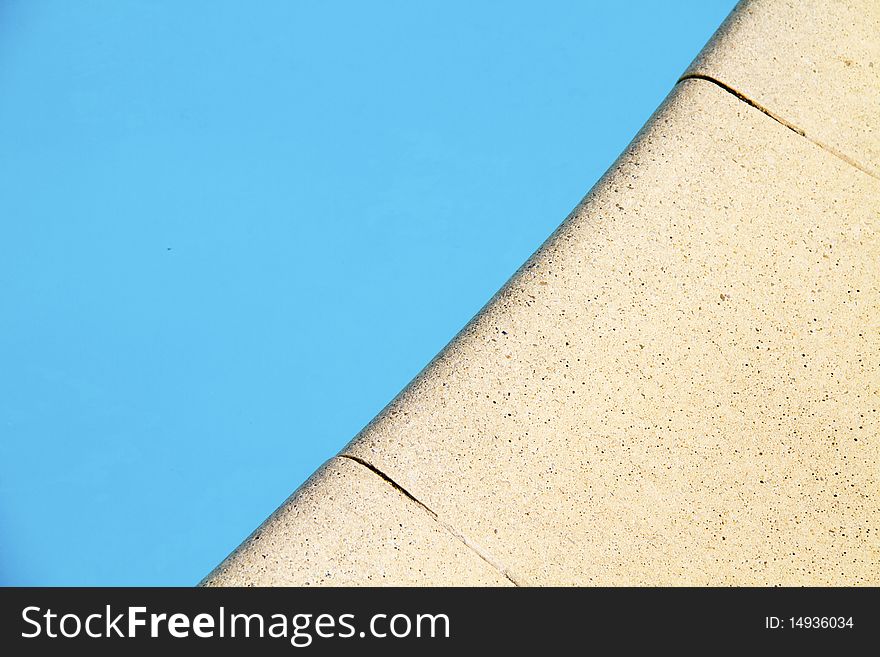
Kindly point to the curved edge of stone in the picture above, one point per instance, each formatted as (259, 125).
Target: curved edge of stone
(348, 525)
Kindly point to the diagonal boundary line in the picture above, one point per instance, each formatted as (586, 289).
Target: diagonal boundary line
(480, 552)
(748, 101)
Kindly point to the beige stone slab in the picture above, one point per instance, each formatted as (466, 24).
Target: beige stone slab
(346, 526)
(681, 386)
(813, 63)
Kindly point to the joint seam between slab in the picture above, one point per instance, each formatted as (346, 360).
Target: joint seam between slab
(748, 101)
(480, 552)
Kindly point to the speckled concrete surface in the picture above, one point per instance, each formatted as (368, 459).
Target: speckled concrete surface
(348, 526)
(813, 63)
(680, 387)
